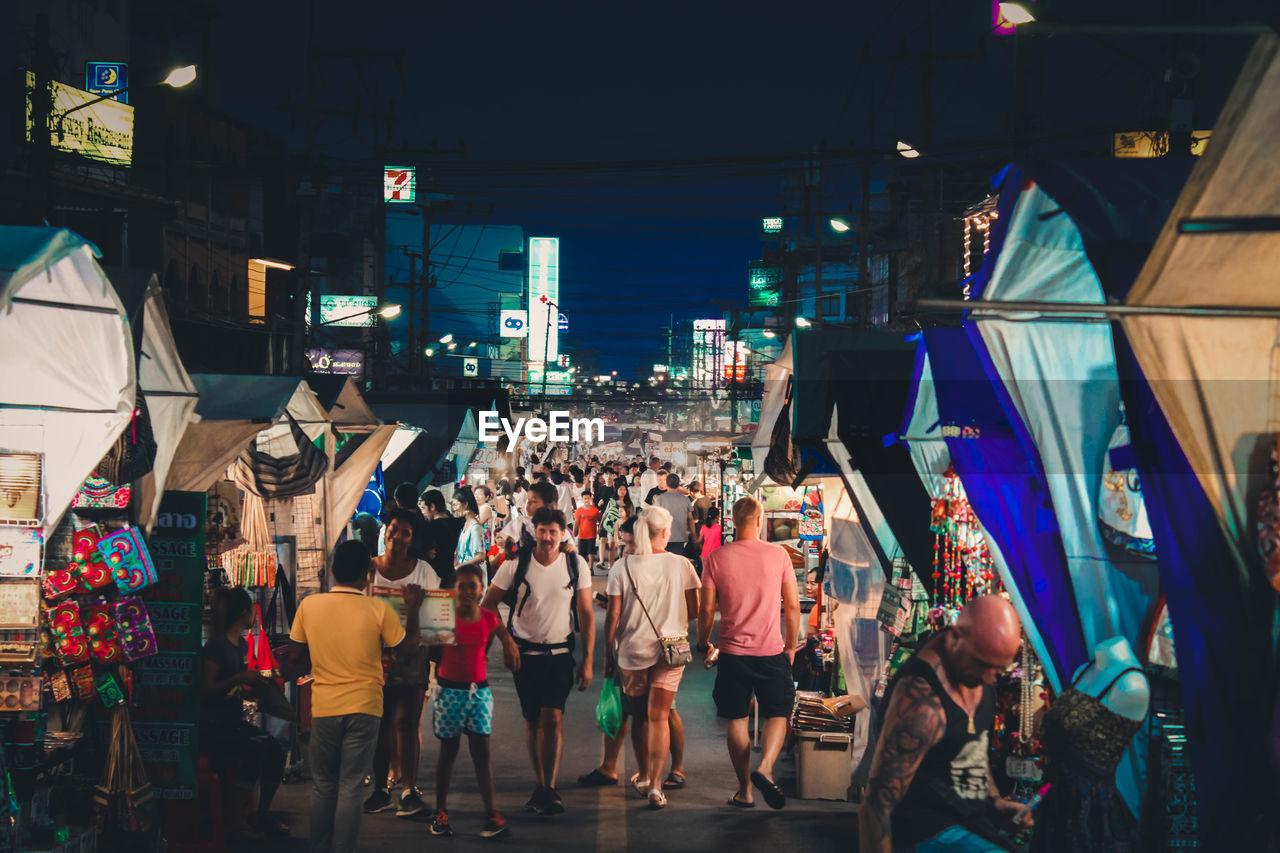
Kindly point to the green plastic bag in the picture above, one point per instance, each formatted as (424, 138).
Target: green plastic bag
(609, 707)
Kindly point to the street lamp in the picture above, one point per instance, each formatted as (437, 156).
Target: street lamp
(840, 226)
(769, 333)
(907, 150)
(453, 345)
(1016, 13)
(803, 323)
(180, 77)
(429, 351)
(387, 312)
(447, 339)
(472, 345)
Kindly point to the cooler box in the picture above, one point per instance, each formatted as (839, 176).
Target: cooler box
(824, 765)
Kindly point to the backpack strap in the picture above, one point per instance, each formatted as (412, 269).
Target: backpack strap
(523, 555)
(571, 558)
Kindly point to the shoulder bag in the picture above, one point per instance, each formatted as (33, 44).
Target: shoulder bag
(675, 650)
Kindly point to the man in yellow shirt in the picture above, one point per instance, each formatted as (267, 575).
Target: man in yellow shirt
(344, 632)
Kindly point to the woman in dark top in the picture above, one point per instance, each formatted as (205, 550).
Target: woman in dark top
(224, 733)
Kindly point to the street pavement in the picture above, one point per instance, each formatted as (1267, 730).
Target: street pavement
(605, 819)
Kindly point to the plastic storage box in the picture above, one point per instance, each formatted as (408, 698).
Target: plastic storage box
(824, 765)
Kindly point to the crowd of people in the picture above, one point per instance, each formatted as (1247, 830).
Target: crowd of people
(520, 557)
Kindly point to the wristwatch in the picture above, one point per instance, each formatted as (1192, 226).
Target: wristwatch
(704, 647)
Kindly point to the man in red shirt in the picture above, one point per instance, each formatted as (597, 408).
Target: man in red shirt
(587, 517)
(747, 579)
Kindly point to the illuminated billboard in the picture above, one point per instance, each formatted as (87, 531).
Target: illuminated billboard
(708, 350)
(103, 131)
(340, 310)
(544, 298)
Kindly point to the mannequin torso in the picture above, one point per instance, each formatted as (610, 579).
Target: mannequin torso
(1130, 696)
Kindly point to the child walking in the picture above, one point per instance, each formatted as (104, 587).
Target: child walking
(464, 702)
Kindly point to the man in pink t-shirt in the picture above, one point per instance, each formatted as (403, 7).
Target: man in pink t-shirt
(754, 584)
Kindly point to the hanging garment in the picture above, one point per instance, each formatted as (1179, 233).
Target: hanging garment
(281, 467)
(1122, 515)
(1085, 740)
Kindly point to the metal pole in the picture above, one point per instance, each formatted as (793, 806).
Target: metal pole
(1098, 311)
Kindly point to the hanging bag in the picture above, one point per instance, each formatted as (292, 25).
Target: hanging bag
(134, 454)
(609, 707)
(261, 658)
(675, 650)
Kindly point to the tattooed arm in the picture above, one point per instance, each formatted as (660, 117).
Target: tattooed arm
(914, 723)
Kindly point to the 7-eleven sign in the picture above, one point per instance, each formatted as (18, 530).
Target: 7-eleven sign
(398, 184)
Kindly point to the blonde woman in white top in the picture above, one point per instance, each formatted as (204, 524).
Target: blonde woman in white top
(652, 594)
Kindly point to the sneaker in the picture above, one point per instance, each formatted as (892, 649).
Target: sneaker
(379, 801)
(411, 804)
(493, 827)
(536, 800)
(552, 805)
(440, 823)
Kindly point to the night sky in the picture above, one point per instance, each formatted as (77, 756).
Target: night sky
(652, 138)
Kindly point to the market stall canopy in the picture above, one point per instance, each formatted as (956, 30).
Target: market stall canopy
(438, 424)
(1203, 453)
(66, 346)
(867, 374)
(345, 404)
(1215, 377)
(233, 410)
(162, 380)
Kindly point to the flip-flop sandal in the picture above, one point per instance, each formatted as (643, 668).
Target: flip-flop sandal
(641, 785)
(674, 781)
(596, 779)
(657, 799)
(769, 790)
(739, 804)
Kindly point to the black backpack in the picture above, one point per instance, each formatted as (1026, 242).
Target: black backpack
(515, 602)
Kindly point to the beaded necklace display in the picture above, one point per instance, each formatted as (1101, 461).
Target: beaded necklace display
(962, 565)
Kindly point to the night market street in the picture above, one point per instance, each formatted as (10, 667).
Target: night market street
(603, 819)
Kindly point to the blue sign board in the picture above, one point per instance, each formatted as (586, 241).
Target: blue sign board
(564, 323)
(107, 78)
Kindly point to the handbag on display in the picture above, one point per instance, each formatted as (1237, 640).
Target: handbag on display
(97, 494)
(1122, 515)
(676, 651)
(129, 560)
(134, 454)
(261, 658)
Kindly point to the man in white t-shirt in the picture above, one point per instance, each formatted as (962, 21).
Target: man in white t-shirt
(649, 480)
(552, 602)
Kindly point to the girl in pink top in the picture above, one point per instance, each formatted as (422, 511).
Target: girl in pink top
(711, 533)
(464, 702)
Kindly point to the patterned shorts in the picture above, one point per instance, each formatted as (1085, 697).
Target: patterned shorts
(456, 711)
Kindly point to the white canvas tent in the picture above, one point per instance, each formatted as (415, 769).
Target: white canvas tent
(169, 393)
(68, 386)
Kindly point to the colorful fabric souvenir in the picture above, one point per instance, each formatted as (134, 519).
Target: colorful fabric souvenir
(59, 686)
(60, 583)
(94, 573)
(129, 560)
(109, 690)
(82, 679)
(68, 634)
(137, 637)
(104, 640)
(99, 493)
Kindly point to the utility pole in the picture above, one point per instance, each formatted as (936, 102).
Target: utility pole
(302, 287)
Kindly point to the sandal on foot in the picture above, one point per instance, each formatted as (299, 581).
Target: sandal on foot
(641, 785)
(768, 789)
(657, 799)
(740, 804)
(596, 779)
(674, 781)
